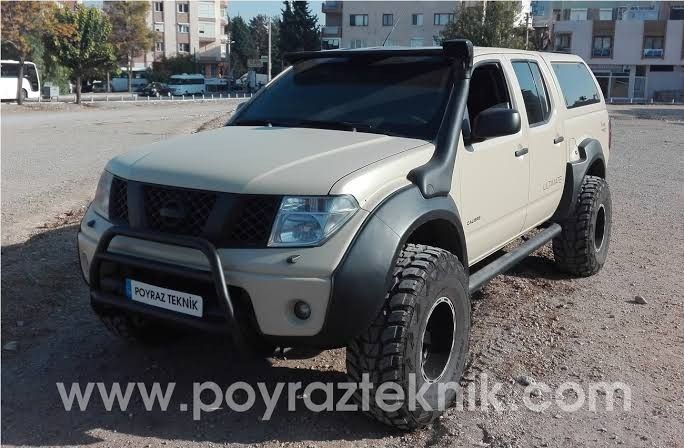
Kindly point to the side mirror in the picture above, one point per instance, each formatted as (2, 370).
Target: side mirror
(495, 123)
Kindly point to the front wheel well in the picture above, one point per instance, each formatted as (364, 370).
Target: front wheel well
(438, 233)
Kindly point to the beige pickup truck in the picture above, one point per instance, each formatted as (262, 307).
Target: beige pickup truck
(357, 201)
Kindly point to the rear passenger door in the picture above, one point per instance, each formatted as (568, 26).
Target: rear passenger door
(546, 142)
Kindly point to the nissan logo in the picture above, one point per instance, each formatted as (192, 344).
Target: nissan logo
(172, 212)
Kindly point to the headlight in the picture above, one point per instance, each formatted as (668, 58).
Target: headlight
(308, 221)
(101, 201)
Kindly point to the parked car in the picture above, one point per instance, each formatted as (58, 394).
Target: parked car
(358, 202)
(155, 89)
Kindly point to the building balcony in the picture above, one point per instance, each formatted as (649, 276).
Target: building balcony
(653, 53)
(332, 7)
(332, 31)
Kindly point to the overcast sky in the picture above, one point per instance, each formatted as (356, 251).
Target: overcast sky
(248, 9)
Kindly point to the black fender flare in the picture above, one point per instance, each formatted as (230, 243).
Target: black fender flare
(590, 151)
(363, 277)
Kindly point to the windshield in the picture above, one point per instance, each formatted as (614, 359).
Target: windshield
(403, 96)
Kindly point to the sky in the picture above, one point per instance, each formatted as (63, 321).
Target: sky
(248, 9)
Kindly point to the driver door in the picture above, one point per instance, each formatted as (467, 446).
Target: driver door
(494, 173)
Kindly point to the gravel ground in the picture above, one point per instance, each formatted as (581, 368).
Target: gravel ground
(531, 325)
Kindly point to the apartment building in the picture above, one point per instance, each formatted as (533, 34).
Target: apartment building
(186, 27)
(635, 48)
(354, 24)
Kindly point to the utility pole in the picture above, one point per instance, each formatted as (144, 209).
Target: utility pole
(527, 30)
(270, 66)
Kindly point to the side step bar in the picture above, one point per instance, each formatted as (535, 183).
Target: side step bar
(510, 259)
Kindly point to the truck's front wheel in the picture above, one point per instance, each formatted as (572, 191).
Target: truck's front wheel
(419, 339)
(582, 247)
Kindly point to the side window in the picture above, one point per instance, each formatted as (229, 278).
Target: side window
(533, 91)
(487, 90)
(579, 88)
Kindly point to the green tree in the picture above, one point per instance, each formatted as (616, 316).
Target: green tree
(298, 28)
(22, 25)
(258, 27)
(163, 68)
(490, 24)
(243, 48)
(87, 51)
(130, 35)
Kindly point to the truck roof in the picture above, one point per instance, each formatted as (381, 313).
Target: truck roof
(424, 51)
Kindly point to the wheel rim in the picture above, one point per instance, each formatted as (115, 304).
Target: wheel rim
(437, 340)
(600, 228)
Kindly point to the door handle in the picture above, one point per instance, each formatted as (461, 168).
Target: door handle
(558, 140)
(521, 152)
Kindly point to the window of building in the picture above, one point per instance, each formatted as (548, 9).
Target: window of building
(159, 46)
(602, 46)
(206, 29)
(417, 19)
(557, 15)
(358, 43)
(416, 42)
(577, 84)
(183, 7)
(606, 14)
(184, 48)
(206, 10)
(330, 44)
(563, 42)
(387, 19)
(159, 7)
(662, 68)
(677, 12)
(159, 27)
(443, 18)
(358, 20)
(578, 14)
(533, 89)
(654, 46)
(391, 43)
(184, 29)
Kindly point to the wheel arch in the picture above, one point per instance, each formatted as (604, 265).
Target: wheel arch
(592, 162)
(363, 277)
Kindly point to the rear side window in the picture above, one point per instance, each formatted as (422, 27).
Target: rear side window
(533, 90)
(576, 83)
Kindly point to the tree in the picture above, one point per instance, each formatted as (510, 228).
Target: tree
(243, 48)
(491, 24)
(165, 67)
(22, 22)
(130, 33)
(299, 28)
(87, 51)
(258, 27)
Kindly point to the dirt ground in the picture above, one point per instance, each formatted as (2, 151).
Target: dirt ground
(532, 324)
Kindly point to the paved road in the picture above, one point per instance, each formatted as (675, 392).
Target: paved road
(52, 155)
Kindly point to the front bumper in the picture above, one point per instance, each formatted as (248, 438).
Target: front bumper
(261, 277)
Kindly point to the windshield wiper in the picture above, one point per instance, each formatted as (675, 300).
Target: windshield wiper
(268, 123)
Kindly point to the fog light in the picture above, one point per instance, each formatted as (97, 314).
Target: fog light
(302, 310)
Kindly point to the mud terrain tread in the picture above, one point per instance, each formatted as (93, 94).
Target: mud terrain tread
(573, 249)
(379, 350)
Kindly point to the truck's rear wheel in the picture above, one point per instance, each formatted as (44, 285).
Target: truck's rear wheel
(582, 247)
(421, 332)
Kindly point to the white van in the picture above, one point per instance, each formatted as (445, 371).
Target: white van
(8, 80)
(187, 84)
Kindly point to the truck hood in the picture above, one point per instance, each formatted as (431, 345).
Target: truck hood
(259, 159)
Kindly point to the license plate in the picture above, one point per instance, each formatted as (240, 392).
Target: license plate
(180, 302)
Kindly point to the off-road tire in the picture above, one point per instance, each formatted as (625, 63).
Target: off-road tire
(136, 329)
(582, 247)
(391, 349)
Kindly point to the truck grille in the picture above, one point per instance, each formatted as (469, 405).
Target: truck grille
(225, 219)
